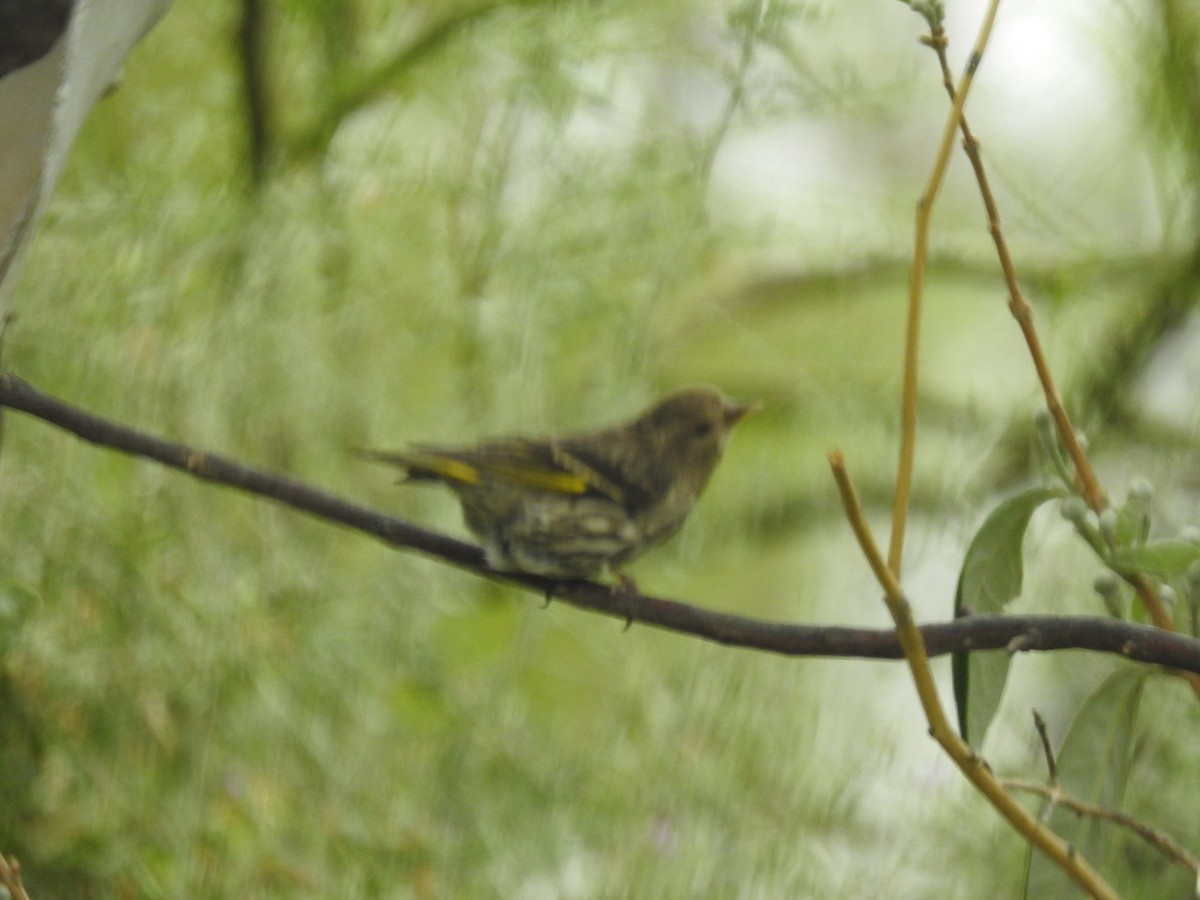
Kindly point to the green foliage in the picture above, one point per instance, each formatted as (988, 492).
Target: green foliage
(990, 579)
(206, 696)
(1167, 559)
(1099, 757)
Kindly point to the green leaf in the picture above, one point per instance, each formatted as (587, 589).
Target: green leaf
(1163, 558)
(1133, 522)
(990, 579)
(1094, 764)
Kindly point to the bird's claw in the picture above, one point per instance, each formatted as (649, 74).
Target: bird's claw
(625, 586)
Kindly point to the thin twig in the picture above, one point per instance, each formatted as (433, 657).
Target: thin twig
(1051, 763)
(973, 633)
(1159, 614)
(368, 86)
(10, 878)
(1087, 482)
(1017, 304)
(909, 635)
(1055, 796)
(1162, 842)
(916, 286)
(737, 89)
(972, 765)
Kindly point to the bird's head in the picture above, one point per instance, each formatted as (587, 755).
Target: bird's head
(690, 428)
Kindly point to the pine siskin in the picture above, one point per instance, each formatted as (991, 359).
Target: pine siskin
(585, 503)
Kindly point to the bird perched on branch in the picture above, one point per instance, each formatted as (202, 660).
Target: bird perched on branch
(583, 504)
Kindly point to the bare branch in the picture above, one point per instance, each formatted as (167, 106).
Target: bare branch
(973, 766)
(1159, 840)
(10, 878)
(1051, 763)
(1026, 633)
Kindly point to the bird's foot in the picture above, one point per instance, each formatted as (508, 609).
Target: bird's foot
(624, 586)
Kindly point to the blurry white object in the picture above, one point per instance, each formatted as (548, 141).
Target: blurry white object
(57, 57)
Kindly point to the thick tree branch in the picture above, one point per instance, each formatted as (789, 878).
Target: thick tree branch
(1009, 633)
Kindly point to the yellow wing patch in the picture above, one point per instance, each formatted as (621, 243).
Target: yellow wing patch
(443, 467)
(577, 468)
(539, 477)
(520, 472)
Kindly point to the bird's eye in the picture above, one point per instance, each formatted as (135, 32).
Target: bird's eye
(703, 429)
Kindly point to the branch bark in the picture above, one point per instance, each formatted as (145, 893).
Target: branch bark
(1009, 633)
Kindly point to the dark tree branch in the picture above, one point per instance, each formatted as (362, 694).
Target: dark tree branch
(369, 86)
(253, 43)
(1010, 633)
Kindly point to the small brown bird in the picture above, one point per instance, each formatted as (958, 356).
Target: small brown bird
(586, 503)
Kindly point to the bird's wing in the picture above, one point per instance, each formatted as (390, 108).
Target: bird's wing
(569, 466)
(522, 463)
(616, 464)
(598, 482)
(531, 464)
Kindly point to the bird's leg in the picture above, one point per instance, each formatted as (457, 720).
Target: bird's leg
(624, 585)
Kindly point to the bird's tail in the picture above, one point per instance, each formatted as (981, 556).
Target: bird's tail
(424, 465)
(397, 460)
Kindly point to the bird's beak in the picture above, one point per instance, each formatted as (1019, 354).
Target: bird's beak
(735, 411)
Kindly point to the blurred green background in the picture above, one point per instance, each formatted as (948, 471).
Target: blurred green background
(472, 220)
